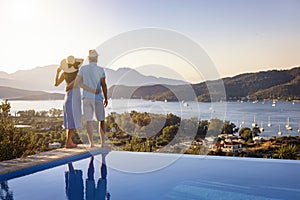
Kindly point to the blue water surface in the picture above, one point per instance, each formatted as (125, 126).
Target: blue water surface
(241, 114)
(131, 175)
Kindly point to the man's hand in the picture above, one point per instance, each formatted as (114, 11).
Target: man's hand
(105, 102)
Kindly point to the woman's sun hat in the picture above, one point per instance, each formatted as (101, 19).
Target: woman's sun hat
(70, 60)
(69, 64)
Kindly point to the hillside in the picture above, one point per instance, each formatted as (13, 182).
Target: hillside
(18, 94)
(264, 85)
(273, 84)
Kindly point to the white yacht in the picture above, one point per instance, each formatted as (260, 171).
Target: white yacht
(269, 122)
(279, 131)
(288, 126)
(254, 124)
(274, 103)
(261, 127)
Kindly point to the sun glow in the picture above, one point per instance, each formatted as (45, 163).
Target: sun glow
(23, 11)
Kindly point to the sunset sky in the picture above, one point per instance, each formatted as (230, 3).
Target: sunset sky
(238, 35)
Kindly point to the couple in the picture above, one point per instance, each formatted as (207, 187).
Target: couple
(93, 191)
(91, 78)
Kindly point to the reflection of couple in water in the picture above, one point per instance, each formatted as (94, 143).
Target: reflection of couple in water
(75, 187)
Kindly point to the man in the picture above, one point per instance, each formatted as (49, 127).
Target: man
(93, 76)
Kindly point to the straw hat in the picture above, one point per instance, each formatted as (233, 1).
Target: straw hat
(70, 60)
(69, 65)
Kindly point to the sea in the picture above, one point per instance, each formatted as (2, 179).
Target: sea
(242, 114)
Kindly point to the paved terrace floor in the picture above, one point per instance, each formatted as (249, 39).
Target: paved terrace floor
(56, 156)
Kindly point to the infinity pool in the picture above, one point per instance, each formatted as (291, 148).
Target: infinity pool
(130, 175)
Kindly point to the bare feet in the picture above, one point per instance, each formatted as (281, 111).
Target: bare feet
(107, 146)
(69, 146)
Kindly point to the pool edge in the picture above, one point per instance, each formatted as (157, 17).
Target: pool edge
(23, 166)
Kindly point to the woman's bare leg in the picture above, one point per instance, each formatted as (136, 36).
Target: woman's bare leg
(69, 142)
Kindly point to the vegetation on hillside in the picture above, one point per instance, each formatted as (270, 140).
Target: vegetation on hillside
(273, 84)
(17, 142)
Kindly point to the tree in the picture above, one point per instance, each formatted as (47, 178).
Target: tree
(255, 131)
(169, 132)
(287, 151)
(13, 143)
(5, 108)
(229, 128)
(43, 113)
(246, 133)
(55, 112)
(141, 119)
(31, 113)
(215, 127)
(172, 120)
(202, 129)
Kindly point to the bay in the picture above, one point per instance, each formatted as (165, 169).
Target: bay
(241, 114)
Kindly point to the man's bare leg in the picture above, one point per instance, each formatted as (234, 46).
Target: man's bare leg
(89, 128)
(101, 129)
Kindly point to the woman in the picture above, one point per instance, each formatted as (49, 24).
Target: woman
(72, 103)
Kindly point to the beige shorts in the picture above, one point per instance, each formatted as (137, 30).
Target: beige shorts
(91, 106)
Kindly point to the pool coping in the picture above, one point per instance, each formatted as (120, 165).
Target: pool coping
(22, 166)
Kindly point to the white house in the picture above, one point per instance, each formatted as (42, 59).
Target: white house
(54, 145)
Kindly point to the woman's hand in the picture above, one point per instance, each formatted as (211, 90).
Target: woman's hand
(69, 86)
(58, 70)
(58, 78)
(105, 102)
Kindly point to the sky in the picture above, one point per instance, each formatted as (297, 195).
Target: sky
(237, 35)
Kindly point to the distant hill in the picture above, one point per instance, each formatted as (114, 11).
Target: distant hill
(18, 94)
(42, 79)
(3, 74)
(273, 84)
(37, 79)
(282, 84)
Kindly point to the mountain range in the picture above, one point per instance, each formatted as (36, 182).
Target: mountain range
(128, 83)
(272, 84)
(42, 79)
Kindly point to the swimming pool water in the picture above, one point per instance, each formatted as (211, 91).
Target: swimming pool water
(186, 177)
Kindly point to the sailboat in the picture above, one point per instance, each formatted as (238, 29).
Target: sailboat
(261, 127)
(288, 126)
(274, 103)
(254, 124)
(299, 129)
(279, 131)
(269, 122)
(243, 122)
